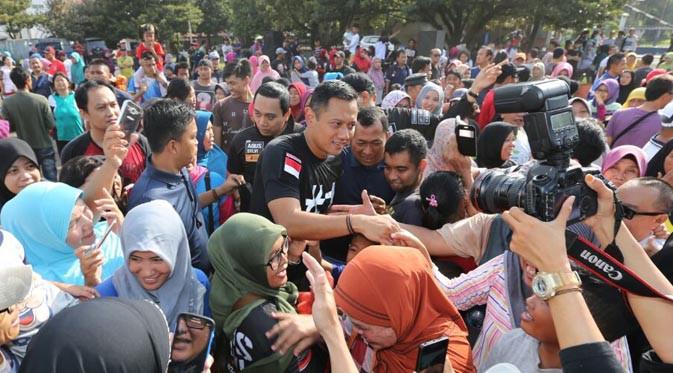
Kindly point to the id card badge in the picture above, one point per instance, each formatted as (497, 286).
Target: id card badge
(252, 150)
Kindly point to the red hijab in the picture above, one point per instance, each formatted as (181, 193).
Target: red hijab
(394, 287)
(298, 110)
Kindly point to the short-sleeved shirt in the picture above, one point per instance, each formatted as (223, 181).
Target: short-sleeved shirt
(231, 115)
(638, 135)
(41, 85)
(176, 189)
(132, 166)
(249, 344)
(31, 117)
(356, 178)
(66, 115)
(154, 88)
(288, 169)
(519, 349)
(205, 95)
(158, 50)
(246, 147)
(397, 74)
(468, 237)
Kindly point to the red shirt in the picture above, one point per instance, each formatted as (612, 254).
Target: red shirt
(158, 49)
(56, 66)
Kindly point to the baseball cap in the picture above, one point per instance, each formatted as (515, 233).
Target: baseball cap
(280, 51)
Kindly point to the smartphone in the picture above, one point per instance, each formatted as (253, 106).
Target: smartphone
(432, 355)
(466, 137)
(130, 118)
(191, 343)
(89, 250)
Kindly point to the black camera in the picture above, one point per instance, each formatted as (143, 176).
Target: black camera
(552, 134)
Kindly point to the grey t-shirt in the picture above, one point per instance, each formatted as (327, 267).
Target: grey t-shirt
(519, 349)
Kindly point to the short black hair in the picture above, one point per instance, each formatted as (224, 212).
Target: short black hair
(82, 92)
(454, 73)
(441, 193)
(275, 90)
(658, 86)
(182, 65)
(558, 52)
(369, 115)
(19, 77)
(165, 120)
(283, 81)
(614, 59)
(419, 63)
(62, 75)
(360, 82)
(328, 90)
(647, 59)
(178, 89)
(240, 68)
(592, 143)
(148, 54)
(75, 171)
(408, 140)
(99, 62)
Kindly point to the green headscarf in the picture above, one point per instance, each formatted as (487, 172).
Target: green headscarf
(238, 251)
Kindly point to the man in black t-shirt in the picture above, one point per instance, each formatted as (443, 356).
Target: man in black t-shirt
(272, 119)
(296, 173)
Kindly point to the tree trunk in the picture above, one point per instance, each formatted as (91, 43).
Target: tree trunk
(537, 24)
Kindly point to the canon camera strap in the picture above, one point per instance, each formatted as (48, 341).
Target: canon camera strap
(607, 268)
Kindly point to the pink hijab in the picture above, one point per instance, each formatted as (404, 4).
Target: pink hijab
(560, 67)
(440, 147)
(253, 64)
(619, 152)
(262, 73)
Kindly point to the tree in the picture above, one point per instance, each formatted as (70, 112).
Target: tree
(15, 16)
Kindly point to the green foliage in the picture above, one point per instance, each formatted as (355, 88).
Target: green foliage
(15, 15)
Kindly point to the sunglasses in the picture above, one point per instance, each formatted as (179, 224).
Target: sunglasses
(630, 213)
(276, 259)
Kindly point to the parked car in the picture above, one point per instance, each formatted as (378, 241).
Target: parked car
(57, 43)
(371, 40)
(94, 48)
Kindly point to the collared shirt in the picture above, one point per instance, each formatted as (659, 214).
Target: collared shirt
(356, 178)
(41, 85)
(176, 189)
(397, 74)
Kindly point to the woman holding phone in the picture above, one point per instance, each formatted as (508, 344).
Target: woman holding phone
(157, 263)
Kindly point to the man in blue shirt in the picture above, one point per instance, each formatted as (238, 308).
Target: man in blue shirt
(397, 72)
(170, 129)
(484, 58)
(41, 83)
(148, 83)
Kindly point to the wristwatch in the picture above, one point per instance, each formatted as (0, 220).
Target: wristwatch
(546, 285)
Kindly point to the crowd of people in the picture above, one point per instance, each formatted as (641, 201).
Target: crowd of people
(317, 208)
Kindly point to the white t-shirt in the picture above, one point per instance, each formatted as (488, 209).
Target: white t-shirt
(652, 147)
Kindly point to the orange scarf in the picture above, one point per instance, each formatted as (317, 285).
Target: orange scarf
(394, 287)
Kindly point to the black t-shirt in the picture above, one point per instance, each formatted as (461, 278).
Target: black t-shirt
(246, 147)
(287, 168)
(406, 208)
(250, 344)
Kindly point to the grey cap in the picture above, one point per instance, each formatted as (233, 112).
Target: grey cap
(416, 79)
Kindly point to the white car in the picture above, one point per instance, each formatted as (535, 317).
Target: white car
(371, 40)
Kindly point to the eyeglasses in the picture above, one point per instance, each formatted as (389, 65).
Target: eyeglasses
(630, 213)
(276, 259)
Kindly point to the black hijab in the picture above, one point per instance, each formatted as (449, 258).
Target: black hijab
(624, 90)
(10, 150)
(656, 164)
(108, 335)
(490, 143)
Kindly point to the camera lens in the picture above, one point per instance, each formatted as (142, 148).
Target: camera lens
(495, 191)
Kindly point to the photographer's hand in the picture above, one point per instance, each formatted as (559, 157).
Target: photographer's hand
(603, 223)
(540, 243)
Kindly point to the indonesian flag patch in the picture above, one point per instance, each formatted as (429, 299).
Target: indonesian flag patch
(292, 165)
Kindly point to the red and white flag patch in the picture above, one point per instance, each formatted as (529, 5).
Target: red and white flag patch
(292, 165)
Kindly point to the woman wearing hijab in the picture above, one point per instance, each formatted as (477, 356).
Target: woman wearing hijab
(77, 68)
(562, 69)
(209, 154)
(581, 108)
(537, 71)
(604, 103)
(55, 227)
(157, 264)
(386, 312)
(396, 98)
(254, 65)
(66, 114)
(623, 163)
(250, 257)
(431, 98)
(627, 84)
(635, 98)
(263, 71)
(297, 102)
(298, 70)
(375, 73)
(103, 335)
(666, 62)
(495, 145)
(18, 168)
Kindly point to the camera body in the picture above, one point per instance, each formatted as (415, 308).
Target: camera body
(552, 134)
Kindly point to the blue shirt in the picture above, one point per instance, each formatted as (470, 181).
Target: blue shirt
(474, 72)
(176, 189)
(397, 74)
(357, 177)
(153, 89)
(41, 85)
